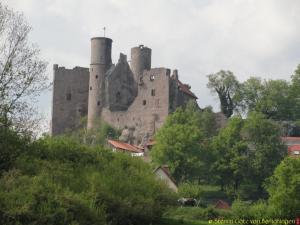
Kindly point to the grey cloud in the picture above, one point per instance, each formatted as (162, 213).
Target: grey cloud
(199, 37)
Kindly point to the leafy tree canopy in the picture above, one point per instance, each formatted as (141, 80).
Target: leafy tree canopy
(284, 187)
(178, 143)
(225, 84)
(243, 149)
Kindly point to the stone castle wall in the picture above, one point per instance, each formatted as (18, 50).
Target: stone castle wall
(70, 98)
(149, 109)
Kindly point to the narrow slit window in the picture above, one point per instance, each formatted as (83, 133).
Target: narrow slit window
(91, 88)
(98, 103)
(144, 102)
(96, 76)
(153, 92)
(68, 96)
(118, 97)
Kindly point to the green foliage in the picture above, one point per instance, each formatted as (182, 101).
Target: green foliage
(295, 93)
(190, 190)
(183, 142)
(283, 188)
(277, 99)
(58, 181)
(96, 136)
(230, 154)
(196, 213)
(263, 138)
(249, 190)
(207, 122)
(212, 193)
(260, 210)
(240, 209)
(38, 200)
(11, 146)
(101, 133)
(242, 152)
(225, 84)
(276, 102)
(257, 210)
(250, 93)
(178, 144)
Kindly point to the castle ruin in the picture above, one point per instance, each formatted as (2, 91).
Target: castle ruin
(135, 96)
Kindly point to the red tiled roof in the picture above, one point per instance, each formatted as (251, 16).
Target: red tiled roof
(293, 149)
(185, 88)
(125, 146)
(290, 138)
(222, 205)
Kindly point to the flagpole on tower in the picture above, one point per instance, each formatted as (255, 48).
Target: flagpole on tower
(104, 28)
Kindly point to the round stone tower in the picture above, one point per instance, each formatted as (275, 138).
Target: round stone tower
(140, 60)
(100, 63)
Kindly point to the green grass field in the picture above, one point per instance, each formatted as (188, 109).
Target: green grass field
(198, 215)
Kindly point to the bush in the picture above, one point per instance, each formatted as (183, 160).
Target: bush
(284, 187)
(58, 181)
(259, 210)
(240, 209)
(94, 137)
(197, 213)
(37, 200)
(190, 190)
(11, 146)
(248, 210)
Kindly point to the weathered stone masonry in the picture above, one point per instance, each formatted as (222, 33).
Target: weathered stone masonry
(135, 97)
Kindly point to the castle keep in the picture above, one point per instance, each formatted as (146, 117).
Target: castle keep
(134, 97)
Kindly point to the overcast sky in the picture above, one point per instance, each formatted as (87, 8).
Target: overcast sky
(197, 37)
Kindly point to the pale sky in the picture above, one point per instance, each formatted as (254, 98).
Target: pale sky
(197, 37)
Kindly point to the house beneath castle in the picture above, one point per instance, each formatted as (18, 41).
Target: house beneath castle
(133, 97)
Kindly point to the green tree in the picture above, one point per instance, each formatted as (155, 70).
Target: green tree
(230, 162)
(225, 84)
(266, 148)
(250, 94)
(247, 151)
(276, 102)
(207, 122)
(284, 187)
(295, 93)
(11, 146)
(178, 144)
(270, 97)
